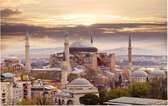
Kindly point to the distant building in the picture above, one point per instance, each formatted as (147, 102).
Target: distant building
(84, 53)
(142, 76)
(139, 76)
(12, 64)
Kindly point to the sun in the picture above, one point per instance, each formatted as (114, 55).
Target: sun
(87, 23)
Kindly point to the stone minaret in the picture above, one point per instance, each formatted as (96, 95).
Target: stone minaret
(113, 61)
(129, 54)
(66, 68)
(91, 40)
(66, 50)
(64, 75)
(27, 52)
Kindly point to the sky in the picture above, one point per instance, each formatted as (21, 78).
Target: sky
(110, 22)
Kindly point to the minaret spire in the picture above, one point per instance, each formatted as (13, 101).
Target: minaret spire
(27, 52)
(81, 38)
(66, 44)
(129, 53)
(91, 39)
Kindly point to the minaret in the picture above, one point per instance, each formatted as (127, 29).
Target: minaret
(64, 75)
(91, 40)
(66, 63)
(66, 50)
(27, 52)
(129, 54)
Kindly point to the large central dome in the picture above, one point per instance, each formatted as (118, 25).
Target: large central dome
(82, 46)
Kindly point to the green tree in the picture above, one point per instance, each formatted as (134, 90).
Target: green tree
(102, 96)
(138, 89)
(44, 99)
(89, 99)
(25, 102)
(117, 92)
(158, 88)
(72, 77)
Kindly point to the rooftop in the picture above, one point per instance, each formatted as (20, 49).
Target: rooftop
(136, 101)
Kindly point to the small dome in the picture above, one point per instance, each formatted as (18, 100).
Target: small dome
(13, 58)
(158, 73)
(8, 75)
(101, 76)
(82, 44)
(64, 94)
(80, 82)
(139, 73)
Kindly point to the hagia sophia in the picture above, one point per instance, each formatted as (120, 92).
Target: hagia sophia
(84, 53)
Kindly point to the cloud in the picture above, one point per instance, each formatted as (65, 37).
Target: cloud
(15, 3)
(144, 35)
(9, 12)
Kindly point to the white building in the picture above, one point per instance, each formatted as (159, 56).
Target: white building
(44, 90)
(74, 90)
(6, 94)
(138, 76)
(11, 92)
(157, 73)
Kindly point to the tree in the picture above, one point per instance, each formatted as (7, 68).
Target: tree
(139, 89)
(72, 77)
(44, 99)
(25, 102)
(89, 99)
(158, 88)
(103, 96)
(117, 92)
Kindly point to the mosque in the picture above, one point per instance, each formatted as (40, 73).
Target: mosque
(71, 92)
(84, 53)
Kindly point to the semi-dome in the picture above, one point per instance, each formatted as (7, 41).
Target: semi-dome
(82, 46)
(158, 73)
(80, 82)
(139, 73)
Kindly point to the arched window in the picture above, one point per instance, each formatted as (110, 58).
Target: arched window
(63, 102)
(59, 102)
(70, 102)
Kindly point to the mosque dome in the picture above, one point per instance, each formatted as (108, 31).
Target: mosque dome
(139, 73)
(80, 82)
(82, 46)
(158, 73)
(13, 58)
(8, 75)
